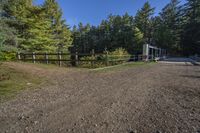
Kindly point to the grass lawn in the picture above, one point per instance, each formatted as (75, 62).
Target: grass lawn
(13, 81)
(123, 66)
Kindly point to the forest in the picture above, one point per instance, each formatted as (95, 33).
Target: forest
(25, 27)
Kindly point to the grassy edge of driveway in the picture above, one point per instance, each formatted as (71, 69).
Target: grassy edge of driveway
(13, 81)
(123, 66)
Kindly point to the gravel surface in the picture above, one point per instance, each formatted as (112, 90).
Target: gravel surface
(161, 98)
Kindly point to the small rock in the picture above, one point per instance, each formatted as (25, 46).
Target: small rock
(158, 131)
(132, 131)
(28, 83)
(21, 117)
(95, 125)
(36, 122)
(26, 130)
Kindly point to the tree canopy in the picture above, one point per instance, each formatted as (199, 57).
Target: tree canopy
(38, 28)
(176, 28)
(31, 28)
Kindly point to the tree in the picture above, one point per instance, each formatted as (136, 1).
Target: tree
(60, 31)
(8, 38)
(138, 41)
(38, 28)
(191, 33)
(143, 21)
(115, 32)
(166, 32)
(170, 26)
(39, 35)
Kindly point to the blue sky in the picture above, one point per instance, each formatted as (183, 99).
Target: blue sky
(93, 11)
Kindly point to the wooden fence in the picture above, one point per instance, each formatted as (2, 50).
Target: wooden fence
(74, 59)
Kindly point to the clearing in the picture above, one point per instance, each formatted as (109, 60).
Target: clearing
(147, 98)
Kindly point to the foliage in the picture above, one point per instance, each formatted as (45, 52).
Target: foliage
(144, 22)
(34, 28)
(115, 32)
(119, 54)
(113, 58)
(7, 56)
(167, 33)
(176, 29)
(8, 38)
(91, 62)
(61, 33)
(191, 32)
(40, 28)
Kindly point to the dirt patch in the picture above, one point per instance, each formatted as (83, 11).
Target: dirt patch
(156, 98)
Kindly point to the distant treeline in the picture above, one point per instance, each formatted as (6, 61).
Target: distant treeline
(40, 28)
(176, 28)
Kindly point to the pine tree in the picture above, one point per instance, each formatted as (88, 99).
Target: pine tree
(167, 30)
(60, 31)
(18, 11)
(8, 38)
(138, 41)
(191, 32)
(169, 17)
(113, 33)
(143, 21)
(39, 33)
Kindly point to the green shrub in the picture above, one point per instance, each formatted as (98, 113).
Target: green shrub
(94, 62)
(7, 53)
(4, 56)
(87, 64)
(118, 56)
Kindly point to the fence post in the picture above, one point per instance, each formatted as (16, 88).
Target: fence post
(33, 57)
(18, 56)
(93, 58)
(76, 59)
(152, 54)
(46, 58)
(59, 58)
(139, 58)
(107, 60)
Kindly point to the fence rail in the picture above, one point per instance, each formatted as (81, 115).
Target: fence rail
(76, 58)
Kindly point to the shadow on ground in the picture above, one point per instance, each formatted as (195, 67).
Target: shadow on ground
(191, 76)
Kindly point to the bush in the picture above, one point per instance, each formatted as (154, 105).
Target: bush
(95, 62)
(118, 56)
(4, 56)
(7, 53)
(86, 64)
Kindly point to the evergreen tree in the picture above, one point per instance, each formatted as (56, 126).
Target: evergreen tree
(39, 33)
(138, 41)
(8, 38)
(115, 32)
(191, 33)
(18, 10)
(169, 17)
(39, 28)
(167, 30)
(60, 31)
(143, 21)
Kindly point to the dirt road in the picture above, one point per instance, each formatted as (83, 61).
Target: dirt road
(148, 99)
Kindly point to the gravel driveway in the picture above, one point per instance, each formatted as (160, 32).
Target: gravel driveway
(148, 99)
